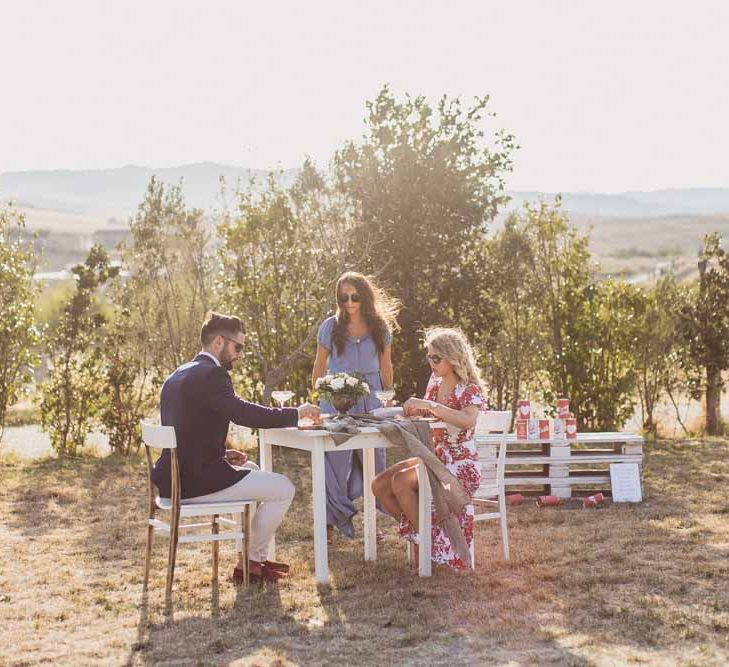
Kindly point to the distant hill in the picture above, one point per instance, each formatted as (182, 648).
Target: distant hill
(656, 203)
(116, 193)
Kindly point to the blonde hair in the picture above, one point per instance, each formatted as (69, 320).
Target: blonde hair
(452, 345)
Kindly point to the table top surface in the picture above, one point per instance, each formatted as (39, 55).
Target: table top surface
(482, 438)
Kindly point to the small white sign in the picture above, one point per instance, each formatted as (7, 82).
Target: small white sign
(625, 483)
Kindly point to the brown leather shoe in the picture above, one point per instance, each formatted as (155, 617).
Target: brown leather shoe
(260, 572)
(278, 567)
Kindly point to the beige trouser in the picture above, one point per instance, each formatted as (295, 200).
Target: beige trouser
(274, 493)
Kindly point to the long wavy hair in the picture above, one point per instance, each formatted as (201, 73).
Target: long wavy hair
(378, 309)
(453, 345)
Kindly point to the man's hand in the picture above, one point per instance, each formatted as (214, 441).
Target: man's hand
(236, 458)
(309, 411)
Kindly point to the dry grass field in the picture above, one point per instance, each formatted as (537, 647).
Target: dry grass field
(642, 584)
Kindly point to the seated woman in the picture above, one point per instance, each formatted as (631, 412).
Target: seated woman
(454, 396)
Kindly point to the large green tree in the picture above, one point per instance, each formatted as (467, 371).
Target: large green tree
(19, 334)
(424, 182)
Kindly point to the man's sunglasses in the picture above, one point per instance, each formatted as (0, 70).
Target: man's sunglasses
(354, 298)
(237, 346)
(435, 359)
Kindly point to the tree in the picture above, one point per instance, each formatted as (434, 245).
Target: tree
(423, 182)
(19, 335)
(704, 328)
(125, 376)
(171, 272)
(281, 254)
(587, 328)
(71, 392)
(500, 317)
(657, 348)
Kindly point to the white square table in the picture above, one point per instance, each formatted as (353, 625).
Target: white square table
(317, 442)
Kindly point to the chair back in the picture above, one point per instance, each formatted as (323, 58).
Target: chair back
(493, 421)
(158, 437)
(162, 437)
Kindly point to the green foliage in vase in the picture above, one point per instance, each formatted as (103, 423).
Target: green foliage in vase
(71, 394)
(19, 334)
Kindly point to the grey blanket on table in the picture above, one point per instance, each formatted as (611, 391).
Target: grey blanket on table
(449, 497)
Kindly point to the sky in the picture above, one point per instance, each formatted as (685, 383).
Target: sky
(602, 97)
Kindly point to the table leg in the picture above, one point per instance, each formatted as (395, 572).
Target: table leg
(370, 514)
(265, 457)
(319, 502)
(424, 521)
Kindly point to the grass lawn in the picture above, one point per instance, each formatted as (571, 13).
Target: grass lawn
(640, 584)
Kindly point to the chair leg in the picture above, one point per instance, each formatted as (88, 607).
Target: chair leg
(504, 527)
(246, 543)
(216, 550)
(175, 521)
(473, 551)
(148, 556)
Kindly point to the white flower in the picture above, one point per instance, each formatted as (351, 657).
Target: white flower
(337, 384)
(365, 388)
(327, 379)
(352, 382)
(318, 382)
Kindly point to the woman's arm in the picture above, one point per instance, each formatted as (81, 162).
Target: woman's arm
(320, 364)
(386, 374)
(463, 419)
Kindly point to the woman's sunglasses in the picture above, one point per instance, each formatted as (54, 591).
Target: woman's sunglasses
(435, 359)
(354, 298)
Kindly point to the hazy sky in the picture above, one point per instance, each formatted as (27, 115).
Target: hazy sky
(601, 96)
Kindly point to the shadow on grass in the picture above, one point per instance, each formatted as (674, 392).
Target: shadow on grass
(646, 578)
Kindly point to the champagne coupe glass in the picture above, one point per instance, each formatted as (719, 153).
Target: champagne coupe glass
(281, 396)
(385, 395)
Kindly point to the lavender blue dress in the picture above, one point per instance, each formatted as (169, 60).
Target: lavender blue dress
(344, 480)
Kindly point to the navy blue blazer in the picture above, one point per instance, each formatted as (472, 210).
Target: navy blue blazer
(199, 401)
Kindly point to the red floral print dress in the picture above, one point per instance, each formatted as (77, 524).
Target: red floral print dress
(457, 450)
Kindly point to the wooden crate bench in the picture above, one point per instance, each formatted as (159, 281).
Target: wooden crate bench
(557, 466)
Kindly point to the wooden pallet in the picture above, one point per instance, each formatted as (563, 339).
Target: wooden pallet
(551, 466)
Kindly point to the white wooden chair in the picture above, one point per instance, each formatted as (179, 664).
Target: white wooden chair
(163, 437)
(492, 491)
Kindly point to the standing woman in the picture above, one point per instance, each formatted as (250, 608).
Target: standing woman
(356, 339)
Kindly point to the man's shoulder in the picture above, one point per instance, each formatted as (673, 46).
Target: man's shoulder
(199, 368)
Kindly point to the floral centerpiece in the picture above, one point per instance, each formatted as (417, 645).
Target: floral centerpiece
(342, 390)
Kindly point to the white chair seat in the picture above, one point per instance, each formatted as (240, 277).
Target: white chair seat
(200, 509)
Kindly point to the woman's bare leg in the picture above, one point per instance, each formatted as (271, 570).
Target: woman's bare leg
(405, 489)
(382, 488)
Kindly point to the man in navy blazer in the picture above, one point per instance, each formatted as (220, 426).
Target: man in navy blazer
(198, 399)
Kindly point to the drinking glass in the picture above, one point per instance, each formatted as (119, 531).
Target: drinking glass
(384, 395)
(281, 396)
